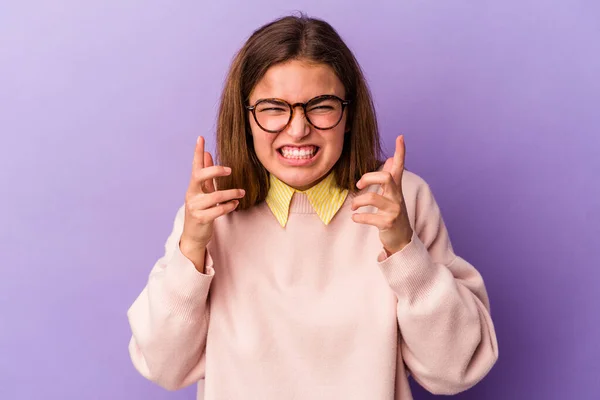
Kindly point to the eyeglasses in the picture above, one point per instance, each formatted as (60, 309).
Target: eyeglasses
(322, 112)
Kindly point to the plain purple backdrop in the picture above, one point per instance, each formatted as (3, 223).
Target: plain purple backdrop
(101, 103)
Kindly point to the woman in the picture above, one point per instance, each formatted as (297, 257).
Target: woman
(334, 278)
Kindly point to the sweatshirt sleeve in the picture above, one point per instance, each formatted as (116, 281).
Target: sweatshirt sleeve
(169, 319)
(448, 340)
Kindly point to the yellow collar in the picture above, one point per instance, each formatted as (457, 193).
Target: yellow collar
(325, 197)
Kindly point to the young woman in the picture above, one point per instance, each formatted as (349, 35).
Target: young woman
(335, 277)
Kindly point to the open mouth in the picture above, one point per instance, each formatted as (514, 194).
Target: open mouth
(298, 153)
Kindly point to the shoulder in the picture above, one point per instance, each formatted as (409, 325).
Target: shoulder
(418, 193)
(412, 180)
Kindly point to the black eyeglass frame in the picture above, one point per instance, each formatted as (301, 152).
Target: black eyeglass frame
(292, 107)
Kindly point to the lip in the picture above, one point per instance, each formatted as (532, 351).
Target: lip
(299, 162)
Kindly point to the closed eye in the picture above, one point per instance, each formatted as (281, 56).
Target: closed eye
(321, 110)
(276, 109)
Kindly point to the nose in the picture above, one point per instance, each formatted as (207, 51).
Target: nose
(299, 126)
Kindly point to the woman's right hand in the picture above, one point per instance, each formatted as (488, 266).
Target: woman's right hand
(204, 204)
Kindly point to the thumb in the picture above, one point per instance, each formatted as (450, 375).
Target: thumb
(387, 167)
(208, 162)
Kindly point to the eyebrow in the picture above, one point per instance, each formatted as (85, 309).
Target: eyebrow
(280, 99)
(273, 99)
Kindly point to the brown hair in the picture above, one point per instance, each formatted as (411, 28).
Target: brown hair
(285, 39)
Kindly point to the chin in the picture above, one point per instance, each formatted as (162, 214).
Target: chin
(301, 179)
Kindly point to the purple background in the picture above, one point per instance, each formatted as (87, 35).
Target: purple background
(101, 103)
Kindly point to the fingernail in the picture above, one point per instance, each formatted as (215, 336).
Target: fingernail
(243, 192)
(198, 140)
(227, 169)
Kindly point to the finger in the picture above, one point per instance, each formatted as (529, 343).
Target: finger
(199, 154)
(398, 163)
(375, 200)
(208, 162)
(201, 175)
(375, 178)
(382, 222)
(204, 201)
(210, 214)
(197, 163)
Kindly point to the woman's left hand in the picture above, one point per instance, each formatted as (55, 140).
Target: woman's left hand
(391, 217)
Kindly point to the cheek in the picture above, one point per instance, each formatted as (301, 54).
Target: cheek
(342, 132)
(263, 141)
(336, 141)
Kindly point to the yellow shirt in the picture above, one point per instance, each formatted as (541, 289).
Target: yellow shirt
(325, 197)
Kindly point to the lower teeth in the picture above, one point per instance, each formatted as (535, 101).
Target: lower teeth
(298, 157)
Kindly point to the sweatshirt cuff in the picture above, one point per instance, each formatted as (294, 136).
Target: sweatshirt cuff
(409, 271)
(187, 287)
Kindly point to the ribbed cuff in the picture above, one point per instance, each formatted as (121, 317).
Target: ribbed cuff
(410, 271)
(187, 288)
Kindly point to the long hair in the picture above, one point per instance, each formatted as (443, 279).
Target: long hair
(285, 39)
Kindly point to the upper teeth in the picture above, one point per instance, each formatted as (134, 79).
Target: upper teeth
(298, 152)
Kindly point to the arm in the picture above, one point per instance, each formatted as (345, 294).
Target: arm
(169, 319)
(448, 338)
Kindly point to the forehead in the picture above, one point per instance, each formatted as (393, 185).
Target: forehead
(297, 81)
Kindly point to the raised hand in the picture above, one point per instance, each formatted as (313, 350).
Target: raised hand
(204, 204)
(391, 217)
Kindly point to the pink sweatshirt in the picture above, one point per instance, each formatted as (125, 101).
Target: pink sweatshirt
(314, 311)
